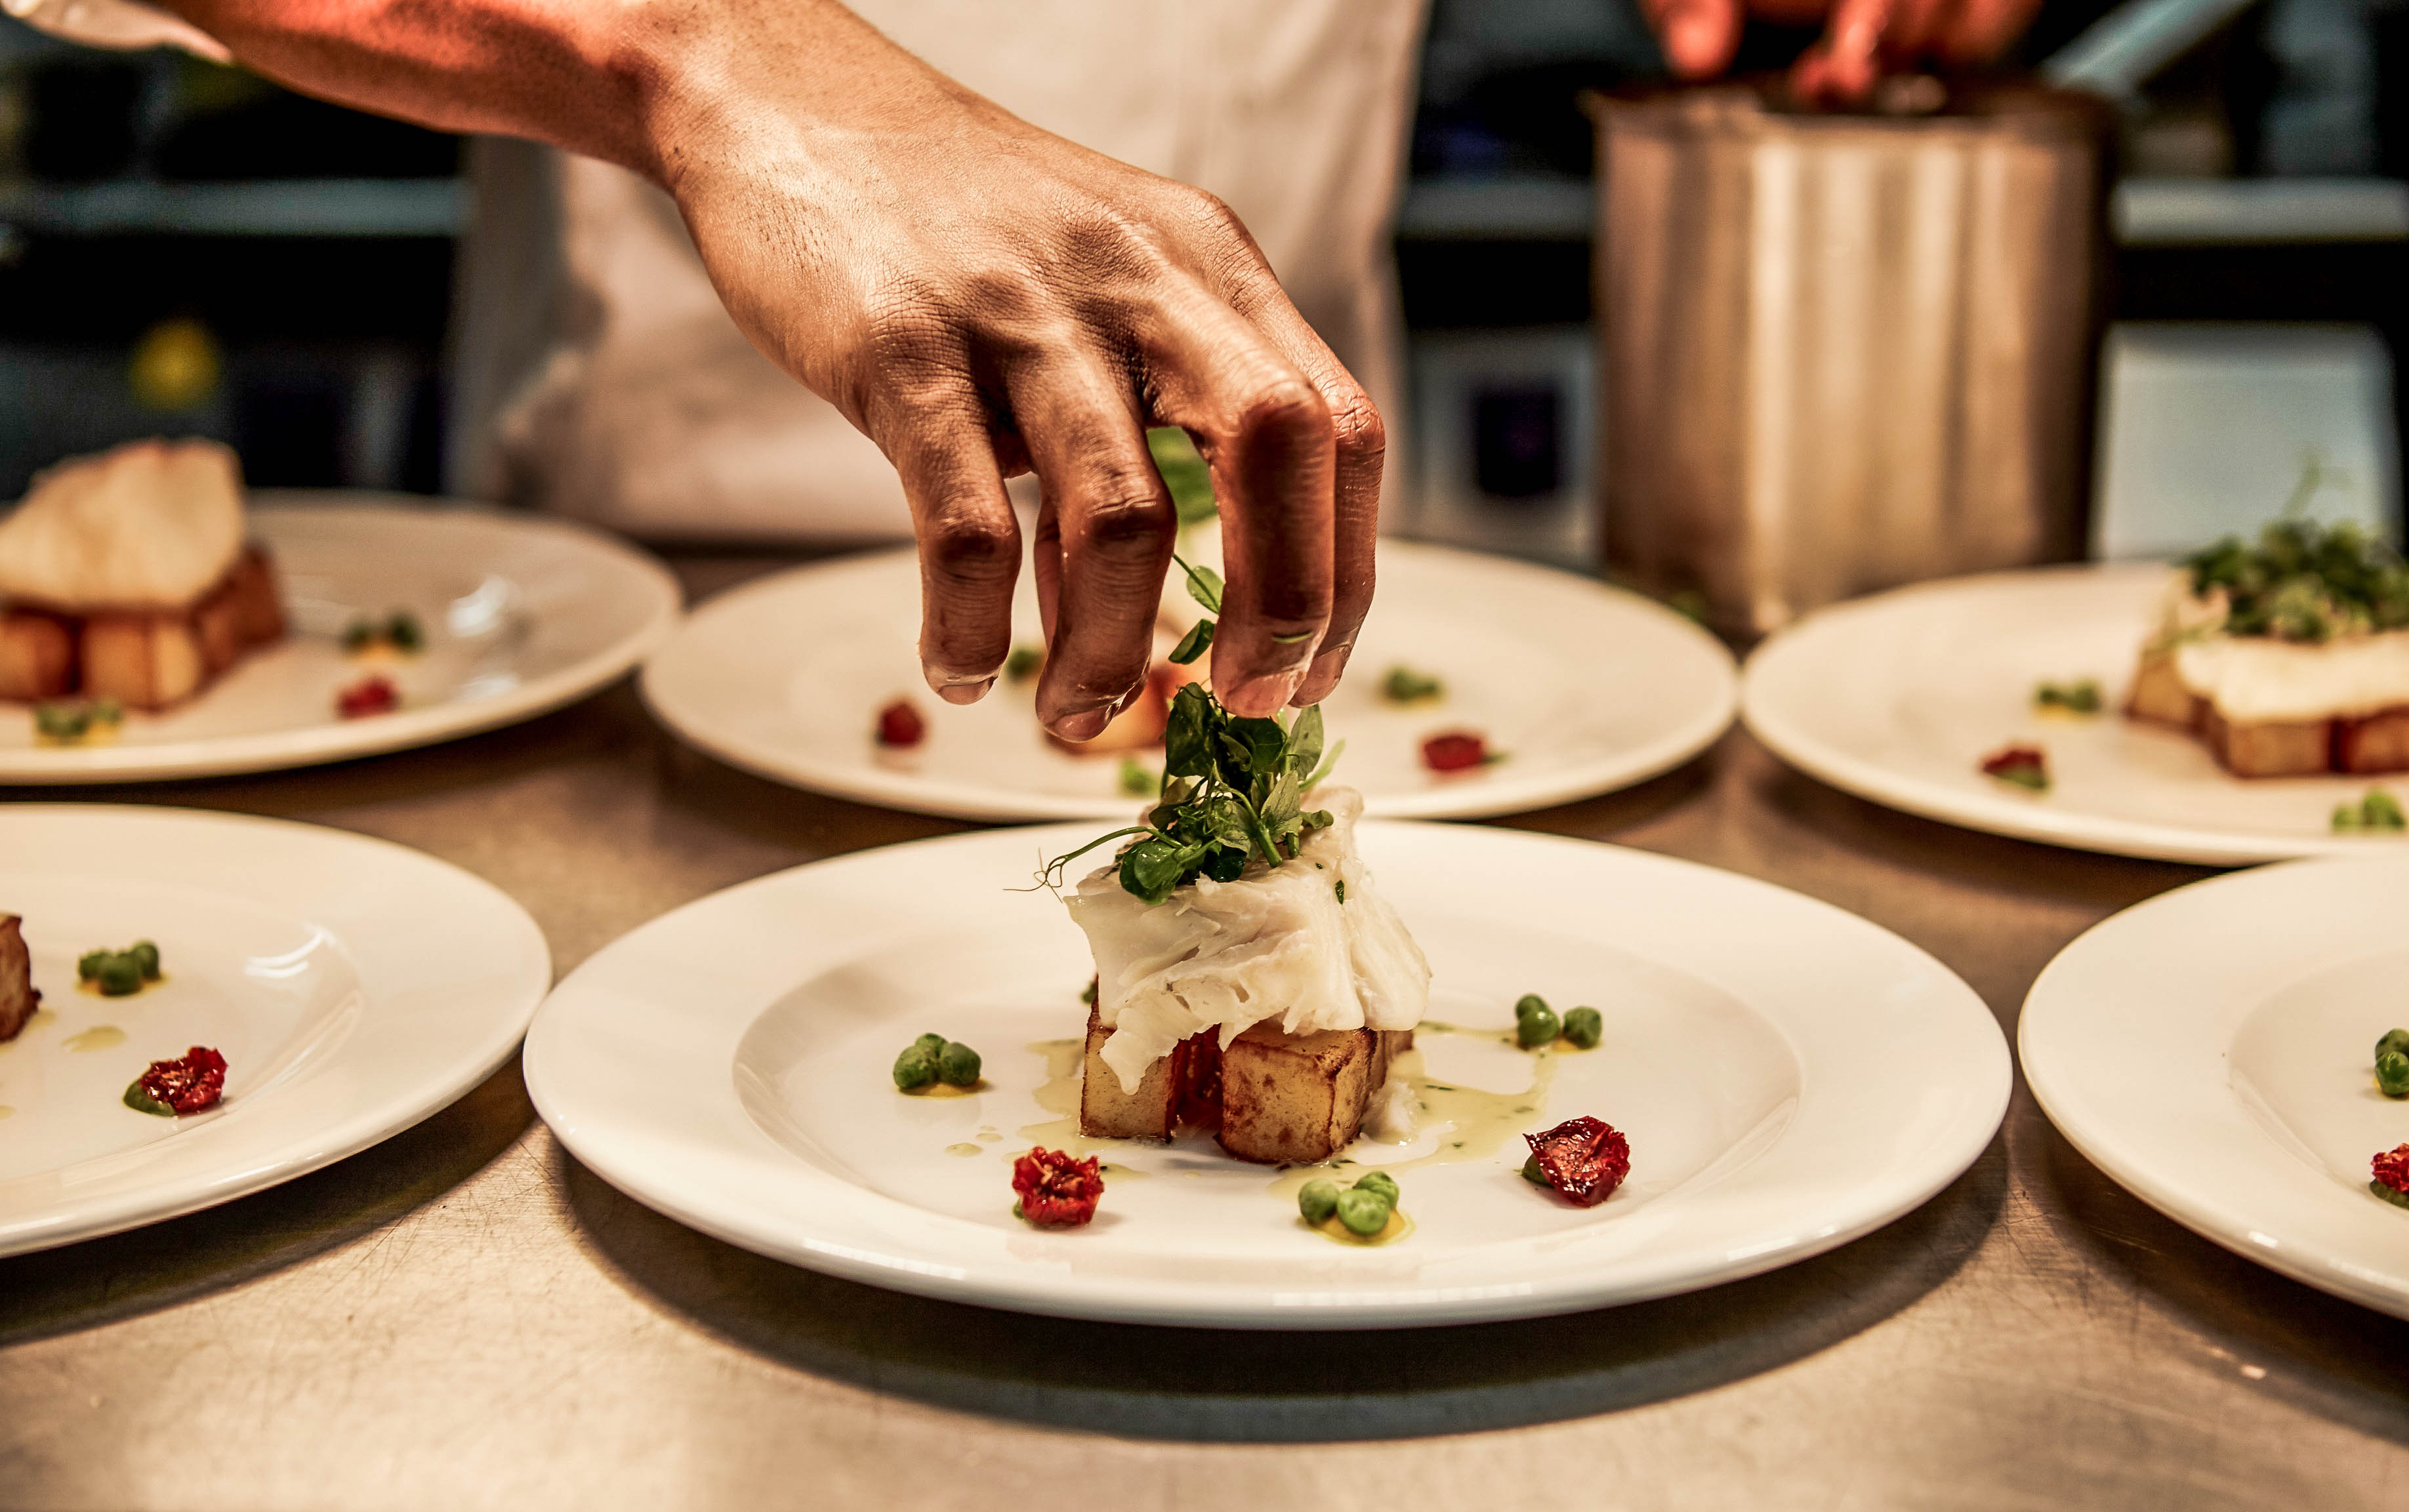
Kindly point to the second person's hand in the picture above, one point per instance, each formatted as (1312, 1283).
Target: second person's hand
(1861, 38)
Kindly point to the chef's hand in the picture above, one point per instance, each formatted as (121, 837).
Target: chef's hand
(1861, 38)
(980, 297)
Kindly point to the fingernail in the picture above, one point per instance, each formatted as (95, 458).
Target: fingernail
(965, 692)
(1329, 665)
(1271, 691)
(1083, 726)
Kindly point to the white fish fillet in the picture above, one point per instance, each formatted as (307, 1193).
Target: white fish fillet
(1276, 944)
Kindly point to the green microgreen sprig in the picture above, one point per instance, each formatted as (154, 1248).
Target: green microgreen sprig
(2304, 581)
(1233, 790)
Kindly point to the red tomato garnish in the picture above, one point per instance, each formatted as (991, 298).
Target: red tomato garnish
(369, 696)
(1056, 1191)
(2017, 762)
(900, 725)
(189, 1085)
(1457, 750)
(1583, 1158)
(2392, 1168)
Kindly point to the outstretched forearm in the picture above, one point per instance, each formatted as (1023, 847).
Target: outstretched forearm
(980, 297)
(603, 78)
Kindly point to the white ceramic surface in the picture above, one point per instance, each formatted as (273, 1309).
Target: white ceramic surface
(1586, 689)
(1789, 1075)
(2212, 1050)
(521, 615)
(1898, 698)
(353, 986)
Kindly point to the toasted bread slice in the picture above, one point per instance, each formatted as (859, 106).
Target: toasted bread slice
(2158, 696)
(17, 995)
(1300, 1098)
(155, 659)
(2378, 742)
(2266, 748)
(1107, 1111)
(249, 593)
(38, 655)
(1271, 1097)
(143, 661)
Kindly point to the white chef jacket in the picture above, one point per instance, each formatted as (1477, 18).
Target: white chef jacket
(599, 376)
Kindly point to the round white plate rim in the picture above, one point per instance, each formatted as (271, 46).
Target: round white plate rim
(1995, 813)
(409, 729)
(2210, 1202)
(1500, 795)
(602, 1135)
(264, 1163)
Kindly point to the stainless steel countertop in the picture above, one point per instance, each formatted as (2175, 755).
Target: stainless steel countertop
(464, 1316)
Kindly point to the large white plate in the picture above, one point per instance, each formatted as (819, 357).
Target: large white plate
(1898, 698)
(1789, 1075)
(2211, 1051)
(354, 986)
(522, 614)
(1584, 687)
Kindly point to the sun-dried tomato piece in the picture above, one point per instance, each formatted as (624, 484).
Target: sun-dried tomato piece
(369, 696)
(1457, 750)
(901, 726)
(1056, 1191)
(189, 1085)
(2392, 1168)
(2024, 766)
(1583, 1158)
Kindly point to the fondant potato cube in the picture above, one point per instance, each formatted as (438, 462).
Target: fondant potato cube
(38, 655)
(1300, 1098)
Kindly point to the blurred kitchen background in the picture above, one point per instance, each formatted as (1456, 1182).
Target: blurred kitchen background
(186, 249)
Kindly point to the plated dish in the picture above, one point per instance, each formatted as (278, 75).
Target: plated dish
(2287, 657)
(1480, 686)
(339, 627)
(2220, 1051)
(2035, 704)
(225, 1003)
(862, 1066)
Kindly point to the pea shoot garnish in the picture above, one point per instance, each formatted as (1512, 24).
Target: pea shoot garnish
(2080, 696)
(1232, 790)
(2379, 811)
(399, 632)
(1363, 1210)
(1535, 1023)
(72, 721)
(1406, 686)
(932, 1061)
(2392, 1063)
(1537, 1026)
(120, 973)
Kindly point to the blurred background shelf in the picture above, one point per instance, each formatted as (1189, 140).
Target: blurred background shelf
(2174, 211)
(260, 207)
